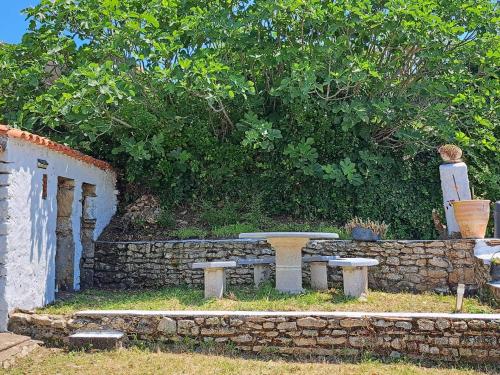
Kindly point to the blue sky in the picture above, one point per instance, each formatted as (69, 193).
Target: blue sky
(12, 22)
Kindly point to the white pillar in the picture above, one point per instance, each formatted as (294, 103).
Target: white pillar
(355, 281)
(215, 282)
(319, 276)
(455, 186)
(288, 263)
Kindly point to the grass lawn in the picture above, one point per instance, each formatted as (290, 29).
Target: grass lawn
(140, 361)
(265, 298)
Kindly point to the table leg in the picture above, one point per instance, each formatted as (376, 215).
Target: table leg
(288, 263)
(355, 281)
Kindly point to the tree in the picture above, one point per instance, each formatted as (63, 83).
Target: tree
(307, 102)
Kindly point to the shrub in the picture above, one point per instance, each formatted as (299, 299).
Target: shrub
(375, 226)
(325, 109)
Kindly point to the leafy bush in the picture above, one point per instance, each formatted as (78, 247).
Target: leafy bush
(325, 110)
(166, 219)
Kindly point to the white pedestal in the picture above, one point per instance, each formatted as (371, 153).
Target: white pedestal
(455, 186)
(261, 273)
(355, 281)
(215, 282)
(288, 263)
(319, 276)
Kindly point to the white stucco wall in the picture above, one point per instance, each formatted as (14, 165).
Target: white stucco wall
(29, 256)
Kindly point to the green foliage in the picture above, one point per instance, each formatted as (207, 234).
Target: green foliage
(187, 233)
(214, 216)
(166, 219)
(325, 110)
(233, 230)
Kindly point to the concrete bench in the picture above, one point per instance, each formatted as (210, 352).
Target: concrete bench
(215, 277)
(355, 273)
(261, 269)
(319, 274)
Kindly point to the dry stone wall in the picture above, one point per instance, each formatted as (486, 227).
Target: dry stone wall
(415, 266)
(443, 337)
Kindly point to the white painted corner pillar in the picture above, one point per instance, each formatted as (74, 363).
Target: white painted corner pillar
(455, 186)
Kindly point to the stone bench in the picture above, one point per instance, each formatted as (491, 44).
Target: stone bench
(215, 277)
(319, 274)
(261, 269)
(355, 273)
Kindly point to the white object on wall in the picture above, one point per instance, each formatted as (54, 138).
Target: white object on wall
(455, 187)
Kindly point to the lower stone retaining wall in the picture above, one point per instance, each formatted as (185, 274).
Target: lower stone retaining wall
(443, 337)
(415, 266)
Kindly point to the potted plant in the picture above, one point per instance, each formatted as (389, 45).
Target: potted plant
(495, 267)
(366, 230)
(472, 217)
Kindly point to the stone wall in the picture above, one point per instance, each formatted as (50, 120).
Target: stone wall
(415, 266)
(446, 337)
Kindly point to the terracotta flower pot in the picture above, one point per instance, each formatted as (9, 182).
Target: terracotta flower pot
(472, 217)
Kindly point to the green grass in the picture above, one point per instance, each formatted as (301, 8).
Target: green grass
(265, 298)
(233, 230)
(188, 232)
(142, 361)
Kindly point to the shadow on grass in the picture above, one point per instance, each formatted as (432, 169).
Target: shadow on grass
(212, 348)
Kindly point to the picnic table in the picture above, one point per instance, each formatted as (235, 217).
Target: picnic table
(288, 247)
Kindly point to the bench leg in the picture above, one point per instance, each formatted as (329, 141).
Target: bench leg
(355, 281)
(215, 282)
(261, 273)
(319, 276)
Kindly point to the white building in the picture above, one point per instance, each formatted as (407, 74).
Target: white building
(54, 201)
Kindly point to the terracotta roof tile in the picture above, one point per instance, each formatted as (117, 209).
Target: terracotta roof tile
(54, 146)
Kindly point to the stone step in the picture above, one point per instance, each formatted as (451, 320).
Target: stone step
(14, 346)
(105, 339)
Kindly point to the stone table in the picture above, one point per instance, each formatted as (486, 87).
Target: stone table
(288, 247)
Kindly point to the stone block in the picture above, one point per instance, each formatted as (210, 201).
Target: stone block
(304, 341)
(167, 326)
(287, 326)
(327, 340)
(349, 323)
(311, 322)
(425, 324)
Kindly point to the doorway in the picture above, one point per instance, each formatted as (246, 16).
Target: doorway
(65, 245)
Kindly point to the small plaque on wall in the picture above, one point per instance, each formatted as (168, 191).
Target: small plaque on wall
(42, 163)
